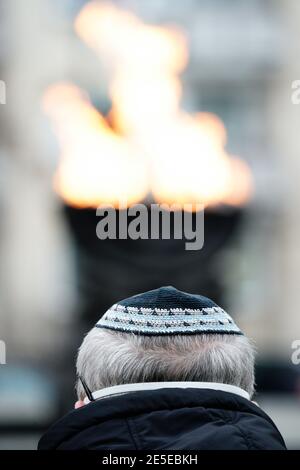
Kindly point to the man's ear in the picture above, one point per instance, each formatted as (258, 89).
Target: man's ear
(79, 404)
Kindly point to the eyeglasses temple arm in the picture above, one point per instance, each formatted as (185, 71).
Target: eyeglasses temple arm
(87, 390)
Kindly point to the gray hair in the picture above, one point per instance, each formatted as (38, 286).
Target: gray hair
(108, 358)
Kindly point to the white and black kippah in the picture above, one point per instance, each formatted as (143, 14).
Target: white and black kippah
(168, 311)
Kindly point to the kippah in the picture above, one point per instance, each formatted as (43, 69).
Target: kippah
(168, 311)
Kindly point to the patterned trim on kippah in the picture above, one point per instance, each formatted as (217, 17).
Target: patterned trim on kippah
(161, 321)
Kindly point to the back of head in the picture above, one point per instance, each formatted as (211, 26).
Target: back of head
(165, 335)
(165, 370)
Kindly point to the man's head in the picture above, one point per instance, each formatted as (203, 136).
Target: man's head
(165, 335)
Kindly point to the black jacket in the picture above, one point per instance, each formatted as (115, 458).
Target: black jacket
(166, 419)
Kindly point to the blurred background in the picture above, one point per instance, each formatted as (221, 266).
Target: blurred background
(149, 102)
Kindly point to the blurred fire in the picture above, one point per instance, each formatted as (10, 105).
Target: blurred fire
(153, 146)
(97, 166)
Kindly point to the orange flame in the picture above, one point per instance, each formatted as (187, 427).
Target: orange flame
(155, 146)
(97, 166)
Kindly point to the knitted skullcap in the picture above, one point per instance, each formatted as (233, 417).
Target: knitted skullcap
(168, 311)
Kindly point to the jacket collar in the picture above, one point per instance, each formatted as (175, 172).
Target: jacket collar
(123, 405)
(147, 386)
